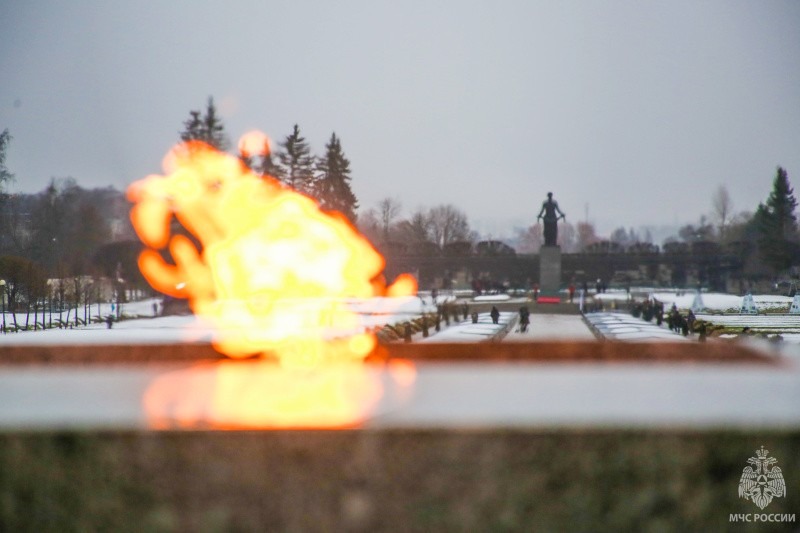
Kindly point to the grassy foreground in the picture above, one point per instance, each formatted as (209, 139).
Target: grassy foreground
(387, 480)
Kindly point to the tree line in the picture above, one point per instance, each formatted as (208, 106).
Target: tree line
(766, 240)
(67, 234)
(426, 230)
(67, 231)
(324, 178)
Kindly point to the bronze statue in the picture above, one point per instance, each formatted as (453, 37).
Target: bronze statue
(550, 213)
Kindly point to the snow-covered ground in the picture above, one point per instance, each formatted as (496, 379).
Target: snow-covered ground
(492, 298)
(377, 312)
(166, 329)
(785, 325)
(624, 327)
(96, 312)
(466, 331)
(775, 322)
(611, 296)
(553, 328)
(710, 301)
(729, 303)
(374, 312)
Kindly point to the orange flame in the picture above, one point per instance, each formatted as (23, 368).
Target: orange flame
(271, 270)
(258, 394)
(262, 395)
(253, 143)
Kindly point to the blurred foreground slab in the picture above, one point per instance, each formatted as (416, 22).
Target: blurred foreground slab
(439, 394)
(511, 437)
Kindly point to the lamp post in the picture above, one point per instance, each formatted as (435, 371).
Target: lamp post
(86, 305)
(50, 298)
(3, 300)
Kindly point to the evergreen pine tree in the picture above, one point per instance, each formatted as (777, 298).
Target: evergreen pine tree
(297, 162)
(261, 162)
(5, 175)
(781, 204)
(333, 183)
(777, 224)
(263, 165)
(206, 127)
(193, 127)
(269, 167)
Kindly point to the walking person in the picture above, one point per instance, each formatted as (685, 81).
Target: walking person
(690, 319)
(495, 314)
(524, 319)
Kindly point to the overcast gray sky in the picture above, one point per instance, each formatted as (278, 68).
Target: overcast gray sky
(639, 110)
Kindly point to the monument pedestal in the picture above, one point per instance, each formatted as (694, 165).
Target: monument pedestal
(549, 270)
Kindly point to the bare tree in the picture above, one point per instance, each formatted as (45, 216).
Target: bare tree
(530, 239)
(417, 228)
(388, 210)
(369, 225)
(587, 235)
(567, 237)
(448, 224)
(7, 228)
(722, 209)
(619, 236)
(5, 176)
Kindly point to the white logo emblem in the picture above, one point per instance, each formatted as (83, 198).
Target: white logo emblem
(763, 483)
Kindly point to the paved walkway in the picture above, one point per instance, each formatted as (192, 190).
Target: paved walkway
(553, 327)
(557, 327)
